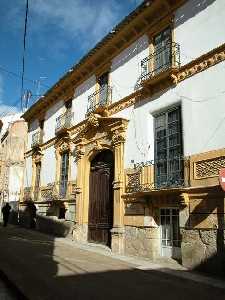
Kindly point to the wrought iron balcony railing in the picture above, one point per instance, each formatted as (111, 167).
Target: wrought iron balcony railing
(37, 139)
(99, 99)
(64, 121)
(166, 174)
(163, 59)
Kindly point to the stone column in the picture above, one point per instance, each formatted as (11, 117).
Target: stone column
(118, 231)
(80, 231)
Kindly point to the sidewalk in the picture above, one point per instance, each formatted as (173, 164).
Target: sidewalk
(43, 267)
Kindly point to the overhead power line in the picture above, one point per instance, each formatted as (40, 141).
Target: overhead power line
(24, 52)
(14, 74)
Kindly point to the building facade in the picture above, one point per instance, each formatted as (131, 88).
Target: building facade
(12, 147)
(127, 146)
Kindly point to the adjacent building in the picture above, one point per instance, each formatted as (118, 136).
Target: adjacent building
(12, 147)
(127, 146)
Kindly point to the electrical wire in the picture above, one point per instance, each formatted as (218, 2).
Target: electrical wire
(34, 81)
(24, 52)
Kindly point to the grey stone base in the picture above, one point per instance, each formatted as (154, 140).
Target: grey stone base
(204, 250)
(142, 241)
(80, 233)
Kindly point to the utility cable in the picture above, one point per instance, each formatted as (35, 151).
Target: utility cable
(24, 52)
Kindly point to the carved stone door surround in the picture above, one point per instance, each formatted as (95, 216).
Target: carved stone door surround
(100, 133)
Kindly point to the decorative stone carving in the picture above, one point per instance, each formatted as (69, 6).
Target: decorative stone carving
(97, 145)
(118, 137)
(209, 168)
(78, 152)
(49, 192)
(133, 182)
(92, 120)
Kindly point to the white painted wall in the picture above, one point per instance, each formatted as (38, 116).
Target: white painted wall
(15, 180)
(199, 27)
(73, 169)
(50, 119)
(126, 68)
(80, 101)
(203, 116)
(48, 166)
(28, 172)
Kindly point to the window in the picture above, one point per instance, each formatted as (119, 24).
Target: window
(64, 174)
(168, 149)
(162, 44)
(103, 82)
(68, 104)
(37, 180)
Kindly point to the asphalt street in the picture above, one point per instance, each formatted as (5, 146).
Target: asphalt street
(45, 268)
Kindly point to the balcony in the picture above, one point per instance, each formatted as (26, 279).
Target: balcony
(157, 175)
(37, 139)
(99, 100)
(166, 58)
(64, 122)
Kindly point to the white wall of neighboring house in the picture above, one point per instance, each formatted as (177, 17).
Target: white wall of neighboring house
(48, 166)
(80, 102)
(126, 68)
(199, 27)
(15, 180)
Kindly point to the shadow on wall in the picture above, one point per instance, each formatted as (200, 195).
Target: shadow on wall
(53, 223)
(191, 9)
(203, 240)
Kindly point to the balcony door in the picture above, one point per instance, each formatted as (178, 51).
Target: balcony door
(163, 51)
(100, 219)
(103, 88)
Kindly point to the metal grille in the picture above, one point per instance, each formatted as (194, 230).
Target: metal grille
(64, 121)
(168, 149)
(100, 98)
(37, 139)
(163, 58)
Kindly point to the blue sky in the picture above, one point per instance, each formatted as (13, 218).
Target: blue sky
(59, 33)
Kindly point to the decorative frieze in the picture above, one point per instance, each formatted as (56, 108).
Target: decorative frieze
(209, 168)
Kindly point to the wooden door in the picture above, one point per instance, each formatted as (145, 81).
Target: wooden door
(100, 219)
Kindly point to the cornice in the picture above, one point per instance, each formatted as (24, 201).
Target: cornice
(201, 64)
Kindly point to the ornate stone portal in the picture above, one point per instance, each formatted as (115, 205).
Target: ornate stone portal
(100, 133)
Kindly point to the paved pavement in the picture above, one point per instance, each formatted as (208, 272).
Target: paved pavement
(46, 268)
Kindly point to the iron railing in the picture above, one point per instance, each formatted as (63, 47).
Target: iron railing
(168, 174)
(164, 58)
(98, 99)
(37, 139)
(64, 121)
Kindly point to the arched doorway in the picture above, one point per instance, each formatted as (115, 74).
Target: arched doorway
(100, 216)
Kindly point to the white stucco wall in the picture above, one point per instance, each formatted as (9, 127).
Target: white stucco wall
(50, 119)
(203, 116)
(199, 27)
(28, 172)
(33, 127)
(126, 68)
(80, 101)
(48, 166)
(15, 181)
